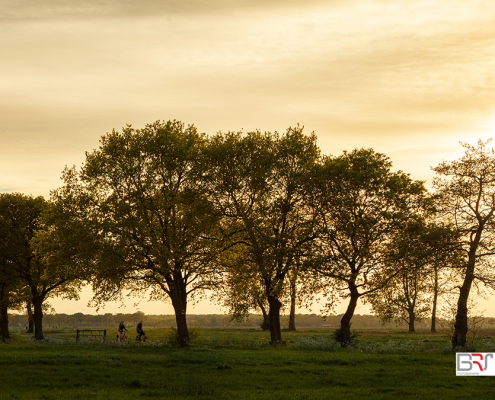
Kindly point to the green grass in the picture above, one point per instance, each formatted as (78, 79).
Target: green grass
(239, 364)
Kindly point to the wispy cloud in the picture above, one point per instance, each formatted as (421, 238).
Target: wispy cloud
(385, 74)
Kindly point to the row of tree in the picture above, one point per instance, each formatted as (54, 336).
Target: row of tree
(262, 219)
(111, 321)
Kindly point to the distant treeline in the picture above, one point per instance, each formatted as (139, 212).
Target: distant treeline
(108, 320)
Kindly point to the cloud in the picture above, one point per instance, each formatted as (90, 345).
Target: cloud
(53, 9)
(379, 69)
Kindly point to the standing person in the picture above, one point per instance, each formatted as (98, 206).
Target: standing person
(121, 330)
(140, 331)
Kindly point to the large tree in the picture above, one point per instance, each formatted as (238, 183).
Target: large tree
(258, 182)
(467, 190)
(142, 195)
(28, 237)
(363, 206)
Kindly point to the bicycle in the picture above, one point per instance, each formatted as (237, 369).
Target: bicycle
(123, 337)
(141, 338)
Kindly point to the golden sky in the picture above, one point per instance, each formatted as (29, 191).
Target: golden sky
(409, 78)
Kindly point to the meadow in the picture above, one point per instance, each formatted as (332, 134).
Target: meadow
(239, 364)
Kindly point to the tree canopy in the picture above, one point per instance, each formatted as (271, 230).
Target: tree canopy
(363, 205)
(258, 182)
(142, 194)
(25, 228)
(166, 212)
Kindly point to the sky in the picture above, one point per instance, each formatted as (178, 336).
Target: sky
(409, 79)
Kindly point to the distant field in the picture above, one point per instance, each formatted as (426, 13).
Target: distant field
(239, 364)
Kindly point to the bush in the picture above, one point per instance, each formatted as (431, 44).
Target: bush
(172, 337)
(265, 324)
(337, 336)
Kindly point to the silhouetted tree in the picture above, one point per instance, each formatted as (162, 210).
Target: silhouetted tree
(26, 230)
(142, 195)
(467, 190)
(258, 183)
(363, 206)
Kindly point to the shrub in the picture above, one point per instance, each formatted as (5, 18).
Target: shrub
(337, 336)
(265, 324)
(172, 337)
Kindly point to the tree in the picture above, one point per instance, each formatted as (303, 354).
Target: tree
(419, 254)
(404, 297)
(293, 275)
(26, 231)
(258, 183)
(10, 287)
(363, 206)
(10, 284)
(142, 196)
(8, 280)
(303, 289)
(442, 241)
(467, 199)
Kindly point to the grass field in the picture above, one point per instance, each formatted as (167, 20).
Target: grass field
(239, 364)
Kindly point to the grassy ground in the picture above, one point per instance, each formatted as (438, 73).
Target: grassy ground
(239, 364)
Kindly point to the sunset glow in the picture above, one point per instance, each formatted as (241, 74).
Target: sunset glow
(410, 79)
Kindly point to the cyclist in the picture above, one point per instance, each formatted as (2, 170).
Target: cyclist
(121, 330)
(140, 331)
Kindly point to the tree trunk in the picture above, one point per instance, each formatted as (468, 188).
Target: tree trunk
(292, 315)
(30, 317)
(434, 307)
(182, 331)
(4, 322)
(461, 319)
(178, 295)
(4, 316)
(274, 314)
(412, 319)
(345, 322)
(38, 318)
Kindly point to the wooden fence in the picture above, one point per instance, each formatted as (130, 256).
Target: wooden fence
(91, 333)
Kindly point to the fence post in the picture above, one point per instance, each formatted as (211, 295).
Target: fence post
(77, 335)
(104, 334)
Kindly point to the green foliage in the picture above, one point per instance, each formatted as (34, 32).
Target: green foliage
(173, 339)
(264, 324)
(259, 181)
(142, 196)
(339, 337)
(465, 190)
(363, 206)
(416, 265)
(27, 248)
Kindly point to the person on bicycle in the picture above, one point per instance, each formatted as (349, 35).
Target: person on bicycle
(121, 330)
(140, 331)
